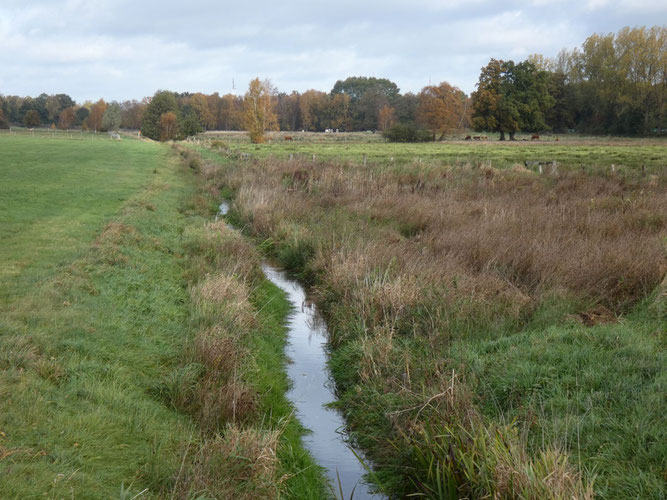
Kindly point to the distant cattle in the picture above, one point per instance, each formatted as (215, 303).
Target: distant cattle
(535, 137)
(468, 138)
(288, 138)
(479, 138)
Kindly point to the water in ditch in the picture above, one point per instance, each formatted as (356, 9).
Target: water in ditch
(312, 389)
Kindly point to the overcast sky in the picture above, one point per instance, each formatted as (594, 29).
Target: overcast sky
(127, 49)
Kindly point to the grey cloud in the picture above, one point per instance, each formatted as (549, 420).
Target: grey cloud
(125, 49)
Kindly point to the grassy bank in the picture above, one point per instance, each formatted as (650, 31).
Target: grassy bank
(116, 292)
(494, 331)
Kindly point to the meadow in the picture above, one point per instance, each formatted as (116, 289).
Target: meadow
(495, 331)
(587, 152)
(136, 361)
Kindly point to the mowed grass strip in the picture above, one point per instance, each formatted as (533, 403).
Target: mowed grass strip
(54, 197)
(94, 312)
(144, 356)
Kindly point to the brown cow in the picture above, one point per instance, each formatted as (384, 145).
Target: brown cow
(535, 137)
(288, 138)
(468, 138)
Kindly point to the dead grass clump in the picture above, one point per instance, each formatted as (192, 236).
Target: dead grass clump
(136, 204)
(218, 349)
(378, 358)
(107, 244)
(222, 394)
(241, 463)
(549, 475)
(455, 453)
(221, 401)
(49, 369)
(116, 233)
(231, 254)
(222, 297)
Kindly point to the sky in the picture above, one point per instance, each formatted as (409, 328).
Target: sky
(128, 49)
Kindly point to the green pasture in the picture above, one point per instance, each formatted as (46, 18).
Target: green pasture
(95, 316)
(88, 322)
(577, 153)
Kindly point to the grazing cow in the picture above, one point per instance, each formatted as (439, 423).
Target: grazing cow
(535, 137)
(288, 137)
(468, 138)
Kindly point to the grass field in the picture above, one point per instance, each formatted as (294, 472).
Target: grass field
(101, 313)
(494, 331)
(592, 153)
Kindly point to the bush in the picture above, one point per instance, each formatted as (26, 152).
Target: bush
(407, 132)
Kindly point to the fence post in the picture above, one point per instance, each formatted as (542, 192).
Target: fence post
(364, 160)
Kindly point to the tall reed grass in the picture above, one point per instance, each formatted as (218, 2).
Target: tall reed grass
(405, 261)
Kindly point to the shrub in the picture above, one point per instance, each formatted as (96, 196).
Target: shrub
(407, 132)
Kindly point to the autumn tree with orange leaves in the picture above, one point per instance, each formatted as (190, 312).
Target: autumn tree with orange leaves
(441, 108)
(386, 118)
(94, 120)
(66, 118)
(168, 126)
(258, 112)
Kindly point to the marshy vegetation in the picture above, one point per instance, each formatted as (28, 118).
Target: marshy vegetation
(494, 332)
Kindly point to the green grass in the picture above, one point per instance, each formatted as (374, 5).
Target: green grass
(95, 313)
(596, 391)
(87, 329)
(56, 195)
(589, 152)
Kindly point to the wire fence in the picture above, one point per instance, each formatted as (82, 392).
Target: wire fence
(57, 134)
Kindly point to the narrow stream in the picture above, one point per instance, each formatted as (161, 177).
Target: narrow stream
(312, 389)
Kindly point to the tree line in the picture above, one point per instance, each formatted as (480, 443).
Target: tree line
(612, 84)
(60, 111)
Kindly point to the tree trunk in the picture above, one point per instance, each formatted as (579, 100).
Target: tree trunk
(502, 135)
(512, 136)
